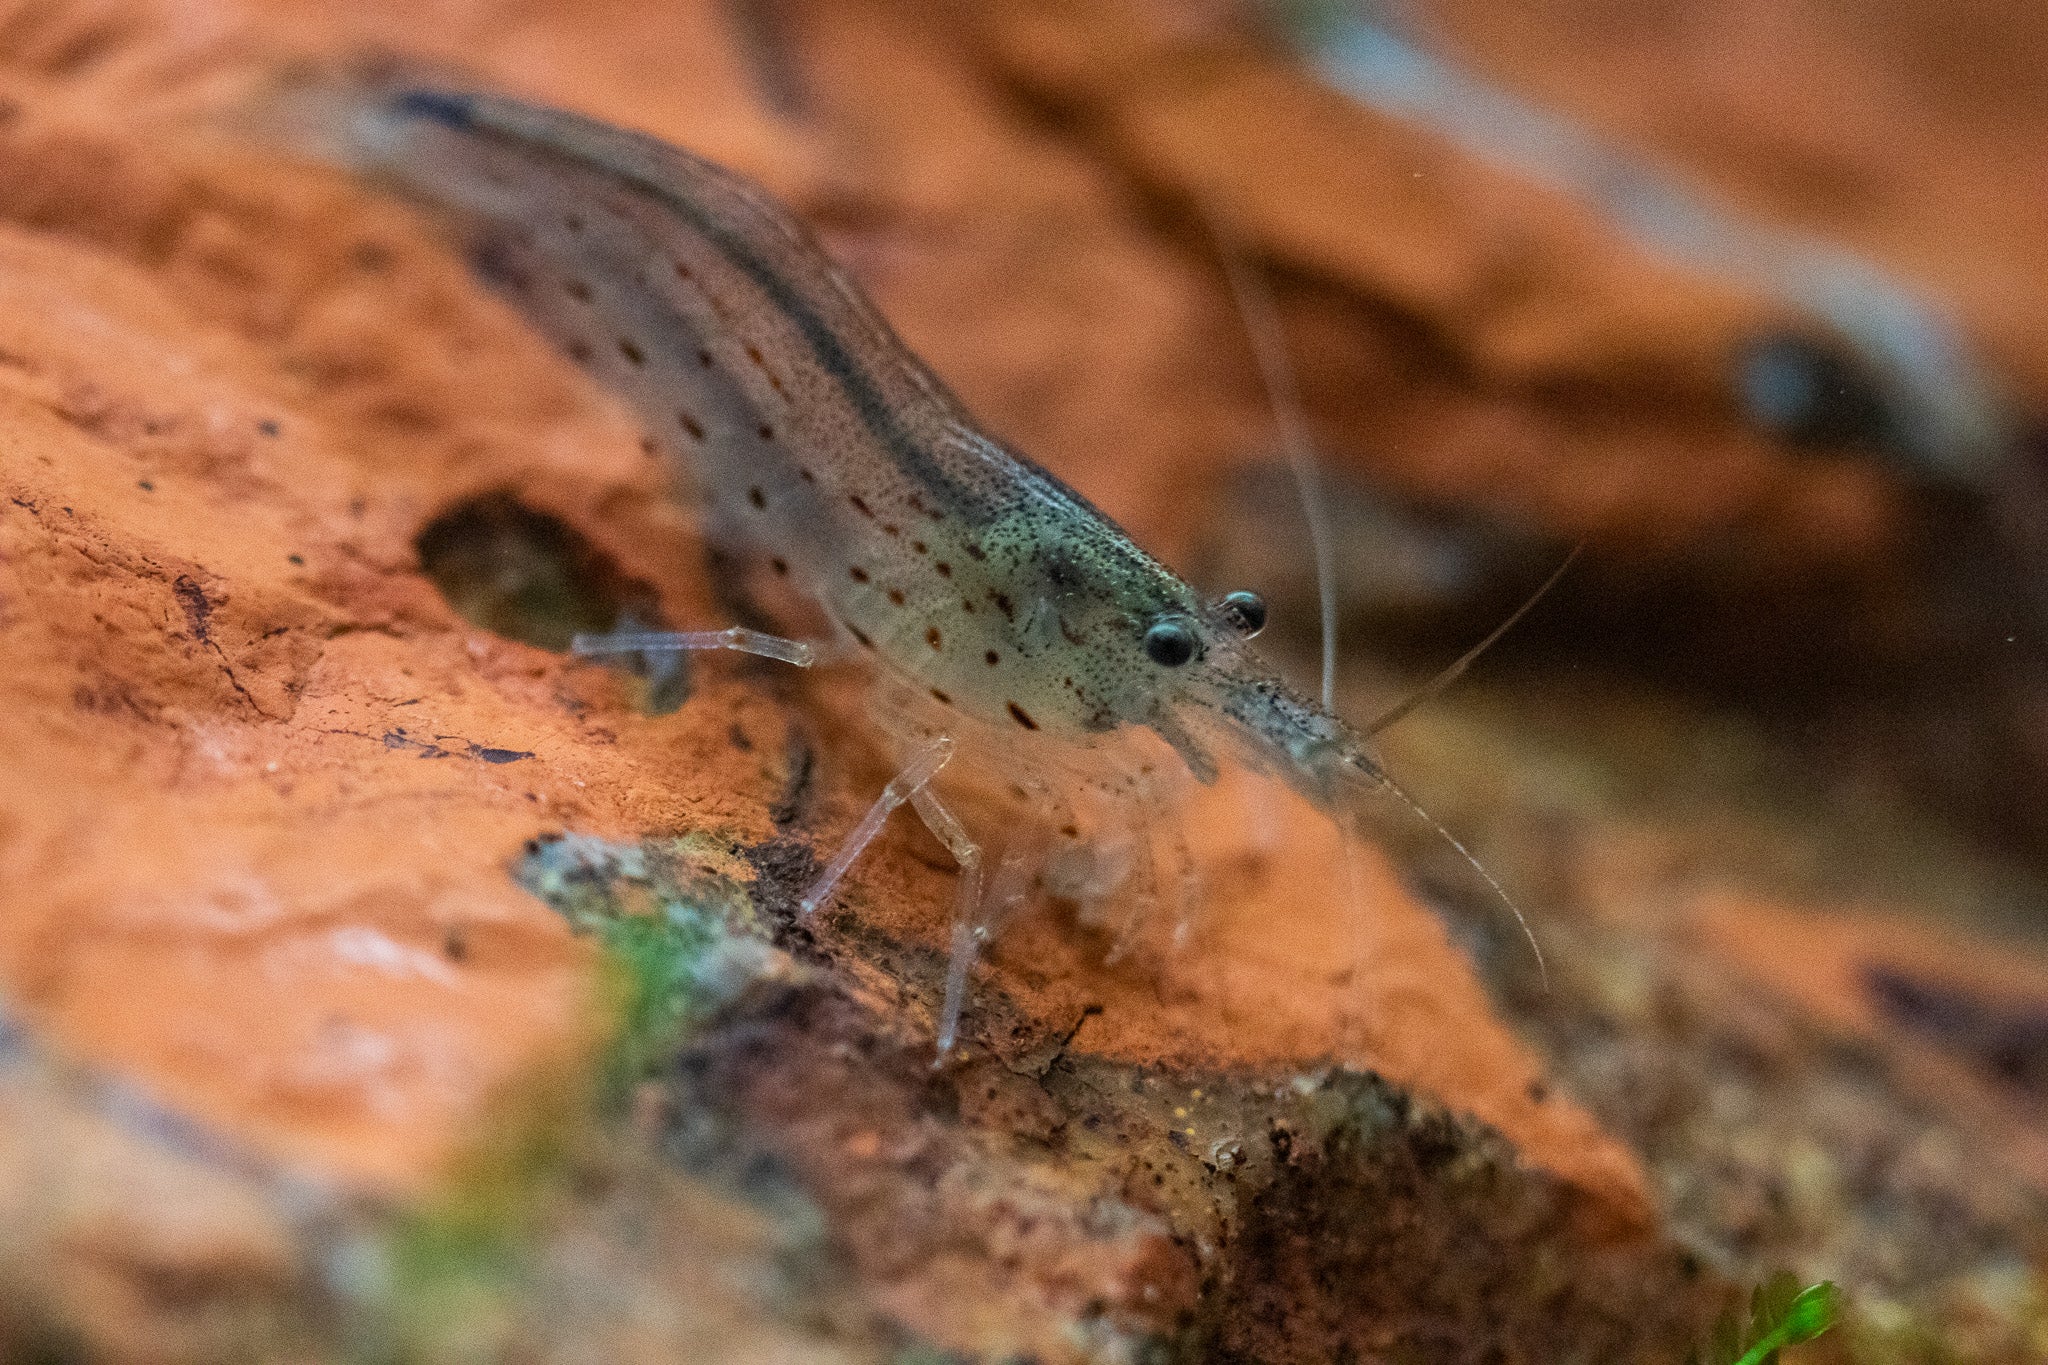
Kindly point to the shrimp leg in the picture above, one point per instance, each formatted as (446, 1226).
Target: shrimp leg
(737, 638)
(968, 926)
(913, 784)
(1149, 892)
(923, 766)
(971, 930)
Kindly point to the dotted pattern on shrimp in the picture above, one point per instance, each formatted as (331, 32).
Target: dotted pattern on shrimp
(817, 442)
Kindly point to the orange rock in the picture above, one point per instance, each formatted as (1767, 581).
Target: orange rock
(267, 785)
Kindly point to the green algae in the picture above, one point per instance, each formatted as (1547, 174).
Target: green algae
(678, 940)
(453, 1268)
(677, 943)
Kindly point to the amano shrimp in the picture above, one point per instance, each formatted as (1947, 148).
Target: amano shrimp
(1012, 629)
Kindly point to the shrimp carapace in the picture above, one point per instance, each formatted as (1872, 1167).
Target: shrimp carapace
(1005, 615)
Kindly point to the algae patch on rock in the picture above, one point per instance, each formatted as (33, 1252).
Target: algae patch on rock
(1038, 1200)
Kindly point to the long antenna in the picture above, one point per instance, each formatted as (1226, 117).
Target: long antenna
(1435, 686)
(1262, 326)
(1395, 789)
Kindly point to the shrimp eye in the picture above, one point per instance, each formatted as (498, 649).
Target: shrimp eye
(1246, 612)
(1170, 641)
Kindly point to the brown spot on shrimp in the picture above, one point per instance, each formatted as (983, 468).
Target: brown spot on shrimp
(761, 363)
(1054, 551)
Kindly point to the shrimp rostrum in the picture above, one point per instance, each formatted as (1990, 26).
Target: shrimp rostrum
(1017, 636)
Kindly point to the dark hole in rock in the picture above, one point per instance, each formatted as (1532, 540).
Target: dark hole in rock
(527, 575)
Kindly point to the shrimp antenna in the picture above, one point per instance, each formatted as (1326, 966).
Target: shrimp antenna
(1262, 325)
(1399, 793)
(1435, 686)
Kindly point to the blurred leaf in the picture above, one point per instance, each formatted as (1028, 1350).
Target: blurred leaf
(1780, 1314)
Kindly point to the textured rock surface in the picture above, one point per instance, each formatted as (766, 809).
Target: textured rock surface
(378, 983)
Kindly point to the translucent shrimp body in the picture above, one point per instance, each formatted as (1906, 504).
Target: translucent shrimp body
(1003, 613)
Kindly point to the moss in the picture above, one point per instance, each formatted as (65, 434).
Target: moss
(677, 944)
(454, 1269)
